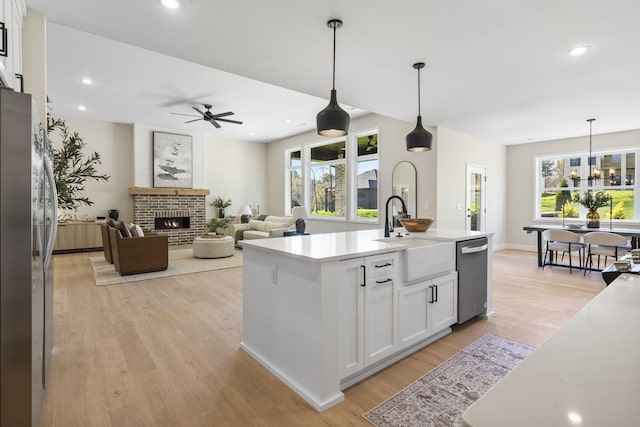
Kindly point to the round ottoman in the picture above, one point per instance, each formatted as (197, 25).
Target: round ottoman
(213, 247)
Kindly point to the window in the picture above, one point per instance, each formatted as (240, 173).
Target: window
(328, 179)
(366, 178)
(336, 179)
(294, 163)
(560, 178)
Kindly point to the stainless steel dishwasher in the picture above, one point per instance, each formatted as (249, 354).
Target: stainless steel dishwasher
(471, 263)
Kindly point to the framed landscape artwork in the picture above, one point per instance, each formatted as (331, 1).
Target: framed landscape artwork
(172, 160)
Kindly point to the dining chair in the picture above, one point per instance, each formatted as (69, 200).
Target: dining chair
(605, 244)
(564, 241)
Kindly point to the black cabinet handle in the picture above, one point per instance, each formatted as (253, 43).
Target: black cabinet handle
(383, 265)
(436, 286)
(383, 281)
(364, 276)
(431, 301)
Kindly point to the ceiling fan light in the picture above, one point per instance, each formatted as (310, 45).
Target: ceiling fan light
(333, 120)
(419, 139)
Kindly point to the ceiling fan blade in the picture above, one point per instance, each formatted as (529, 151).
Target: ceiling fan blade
(194, 120)
(228, 113)
(216, 124)
(181, 114)
(230, 121)
(198, 110)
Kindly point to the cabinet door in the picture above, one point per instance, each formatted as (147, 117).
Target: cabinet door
(413, 319)
(380, 317)
(444, 309)
(349, 273)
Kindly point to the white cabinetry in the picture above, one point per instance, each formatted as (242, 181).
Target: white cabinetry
(426, 308)
(12, 13)
(368, 317)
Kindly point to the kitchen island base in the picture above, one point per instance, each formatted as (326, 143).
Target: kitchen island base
(323, 312)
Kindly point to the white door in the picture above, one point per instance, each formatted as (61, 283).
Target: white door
(476, 198)
(443, 309)
(351, 315)
(413, 318)
(380, 318)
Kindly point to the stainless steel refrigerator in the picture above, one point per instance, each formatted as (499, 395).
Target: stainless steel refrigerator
(27, 233)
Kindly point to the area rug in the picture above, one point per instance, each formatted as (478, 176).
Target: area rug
(440, 397)
(181, 261)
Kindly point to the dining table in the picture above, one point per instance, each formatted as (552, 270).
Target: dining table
(634, 234)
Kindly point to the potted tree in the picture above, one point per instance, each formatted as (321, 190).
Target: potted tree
(593, 201)
(71, 167)
(221, 204)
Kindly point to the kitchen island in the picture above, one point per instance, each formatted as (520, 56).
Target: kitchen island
(587, 374)
(324, 311)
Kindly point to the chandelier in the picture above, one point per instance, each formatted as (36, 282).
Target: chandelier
(594, 172)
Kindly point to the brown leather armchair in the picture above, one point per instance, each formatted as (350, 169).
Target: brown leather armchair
(133, 255)
(106, 243)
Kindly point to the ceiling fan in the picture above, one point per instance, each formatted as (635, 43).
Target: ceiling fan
(208, 116)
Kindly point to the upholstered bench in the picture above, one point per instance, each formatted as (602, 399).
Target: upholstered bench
(204, 247)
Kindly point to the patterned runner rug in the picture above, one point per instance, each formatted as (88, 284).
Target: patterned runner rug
(440, 397)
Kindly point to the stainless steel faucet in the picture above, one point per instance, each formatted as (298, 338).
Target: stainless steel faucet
(386, 213)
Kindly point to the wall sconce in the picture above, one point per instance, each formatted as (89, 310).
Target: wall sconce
(4, 46)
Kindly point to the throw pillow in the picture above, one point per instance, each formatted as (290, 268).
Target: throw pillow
(257, 225)
(262, 217)
(124, 230)
(136, 230)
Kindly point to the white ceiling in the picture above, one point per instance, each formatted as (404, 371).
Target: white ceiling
(496, 69)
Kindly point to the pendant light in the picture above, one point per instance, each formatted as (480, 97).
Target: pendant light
(333, 120)
(419, 139)
(594, 172)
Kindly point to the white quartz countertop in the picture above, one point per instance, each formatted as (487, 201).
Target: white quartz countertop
(587, 374)
(352, 244)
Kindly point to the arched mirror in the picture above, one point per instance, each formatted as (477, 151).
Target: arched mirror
(404, 184)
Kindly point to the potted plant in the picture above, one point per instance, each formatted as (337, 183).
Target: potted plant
(217, 225)
(593, 201)
(221, 204)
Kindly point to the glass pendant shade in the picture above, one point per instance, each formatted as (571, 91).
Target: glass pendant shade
(333, 120)
(419, 139)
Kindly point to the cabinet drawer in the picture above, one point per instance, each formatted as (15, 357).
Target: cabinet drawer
(382, 265)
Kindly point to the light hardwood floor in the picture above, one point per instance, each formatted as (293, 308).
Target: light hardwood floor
(166, 352)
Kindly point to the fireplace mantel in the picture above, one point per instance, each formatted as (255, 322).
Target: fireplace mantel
(164, 191)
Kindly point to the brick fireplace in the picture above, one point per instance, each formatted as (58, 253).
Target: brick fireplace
(176, 212)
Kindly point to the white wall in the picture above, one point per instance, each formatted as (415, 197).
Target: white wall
(230, 169)
(521, 176)
(392, 149)
(454, 151)
(114, 142)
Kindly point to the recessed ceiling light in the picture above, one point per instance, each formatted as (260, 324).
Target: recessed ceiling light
(251, 133)
(287, 121)
(87, 81)
(82, 108)
(171, 4)
(576, 51)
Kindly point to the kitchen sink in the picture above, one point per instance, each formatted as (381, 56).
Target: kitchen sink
(423, 258)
